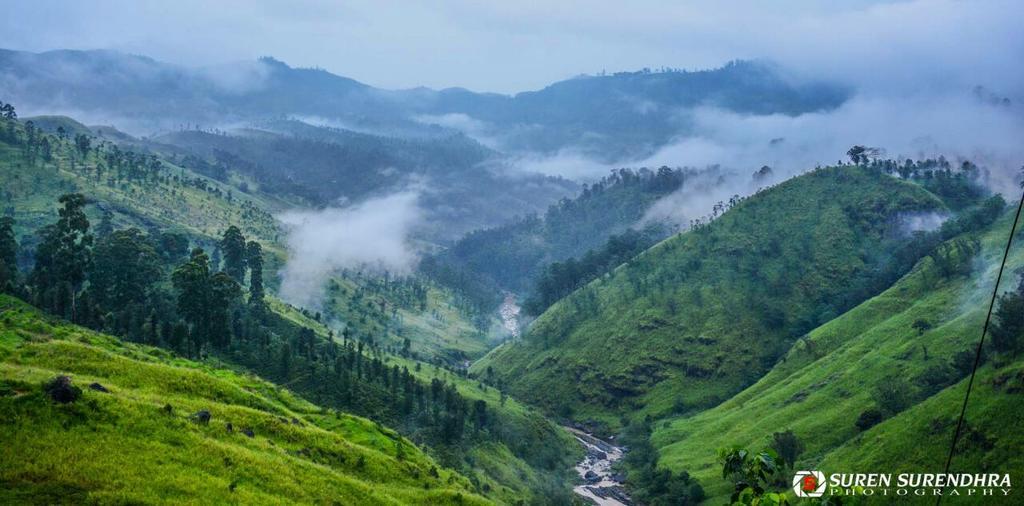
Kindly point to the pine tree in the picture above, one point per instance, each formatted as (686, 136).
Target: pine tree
(62, 258)
(8, 256)
(1007, 333)
(234, 249)
(255, 261)
(106, 224)
(124, 270)
(191, 280)
(223, 291)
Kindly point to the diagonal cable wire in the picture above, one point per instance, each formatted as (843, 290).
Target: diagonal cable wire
(981, 342)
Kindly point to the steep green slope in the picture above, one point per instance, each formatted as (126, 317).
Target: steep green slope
(140, 442)
(376, 313)
(513, 455)
(700, 316)
(529, 457)
(836, 372)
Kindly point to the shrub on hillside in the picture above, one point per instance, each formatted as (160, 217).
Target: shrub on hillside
(61, 390)
(868, 418)
(963, 362)
(788, 446)
(893, 395)
(935, 378)
(1007, 332)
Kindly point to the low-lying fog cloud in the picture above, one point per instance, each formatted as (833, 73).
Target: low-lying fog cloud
(372, 235)
(961, 124)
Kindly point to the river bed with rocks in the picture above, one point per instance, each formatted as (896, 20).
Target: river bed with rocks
(601, 484)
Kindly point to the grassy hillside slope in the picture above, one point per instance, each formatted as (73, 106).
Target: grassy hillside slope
(370, 309)
(139, 442)
(704, 314)
(519, 456)
(831, 376)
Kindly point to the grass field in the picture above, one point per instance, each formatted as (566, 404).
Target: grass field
(823, 384)
(126, 446)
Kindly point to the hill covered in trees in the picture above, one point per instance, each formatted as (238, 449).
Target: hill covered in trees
(534, 255)
(461, 184)
(706, 313)
(120, 261)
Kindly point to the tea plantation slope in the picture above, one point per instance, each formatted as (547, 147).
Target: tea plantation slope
(837, 372)
(704, 314)
(142, 442)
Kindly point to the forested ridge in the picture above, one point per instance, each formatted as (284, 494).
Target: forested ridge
(766, 285)
(534, 255)
(161, 287)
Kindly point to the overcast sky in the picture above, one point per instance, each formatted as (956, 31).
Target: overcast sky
(518, 45)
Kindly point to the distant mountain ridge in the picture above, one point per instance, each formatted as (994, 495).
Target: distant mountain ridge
(608, 116)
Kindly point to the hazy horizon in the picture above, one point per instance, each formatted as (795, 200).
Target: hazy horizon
(898, 46)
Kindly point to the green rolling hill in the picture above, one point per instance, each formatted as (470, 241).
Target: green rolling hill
(695, 319)
(140, 439)
(841, 369)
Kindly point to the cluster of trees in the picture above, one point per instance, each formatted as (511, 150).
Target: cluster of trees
(130, 165)
(322, 164)
(559, 279)
(957, 184)
(150, 288)
(513, 257)
(355, 376)
(117, 282)
(1007, 332)
(649, 484)
(7, 111)
(8, 256)
(35, 144)
(9, 117)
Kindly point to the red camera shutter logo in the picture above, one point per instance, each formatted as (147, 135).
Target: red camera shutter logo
(809, 484)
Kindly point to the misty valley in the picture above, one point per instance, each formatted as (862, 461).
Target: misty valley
(762, 281)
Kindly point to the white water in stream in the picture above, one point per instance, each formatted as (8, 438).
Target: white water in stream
(510, 315)
(601, 485)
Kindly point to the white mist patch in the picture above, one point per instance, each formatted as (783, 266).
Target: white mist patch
(696, 198)
(920, 221)
(237, 77)
(370, 235)
(568, 163)
(958, 126)
(478, 130)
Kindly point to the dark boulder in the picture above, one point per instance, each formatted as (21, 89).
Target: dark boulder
(61, 390)
(202, 416)
(99, 388)
(591, 477)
